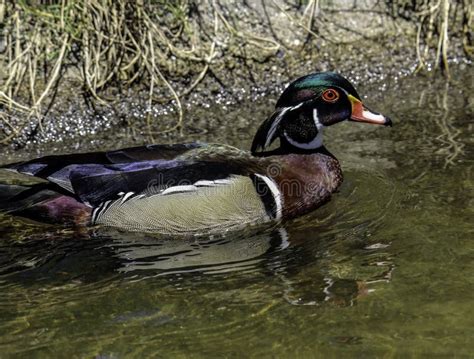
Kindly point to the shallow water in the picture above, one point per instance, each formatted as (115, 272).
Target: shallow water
(384, 269)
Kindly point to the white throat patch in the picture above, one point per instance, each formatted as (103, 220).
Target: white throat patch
(315, 142)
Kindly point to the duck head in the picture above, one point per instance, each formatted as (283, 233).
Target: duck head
(307, 105)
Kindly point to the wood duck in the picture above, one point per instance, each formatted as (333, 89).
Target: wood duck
(198, 188)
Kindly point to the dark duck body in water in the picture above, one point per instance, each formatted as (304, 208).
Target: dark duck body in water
(198, 188)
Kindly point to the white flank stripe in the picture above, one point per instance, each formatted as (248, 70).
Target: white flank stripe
(276, 194)
(127, 196)
(104, 209)
(186, 188)
(98, 211)
(222, 181)
(204, 183)
(94, 215)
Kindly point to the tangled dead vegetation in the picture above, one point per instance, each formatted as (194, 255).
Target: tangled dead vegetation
(439, 23)
(96, 48)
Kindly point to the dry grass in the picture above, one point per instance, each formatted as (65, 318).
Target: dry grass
(101, 44)
(438, 22)
(107, 43)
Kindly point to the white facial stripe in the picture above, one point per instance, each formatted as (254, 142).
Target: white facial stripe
(276, 122)
(317, 123)
(274, 126)
(276, 194)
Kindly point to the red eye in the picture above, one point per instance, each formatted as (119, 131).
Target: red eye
(330, 95)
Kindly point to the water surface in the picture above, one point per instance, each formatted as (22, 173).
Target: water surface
(385, 268)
